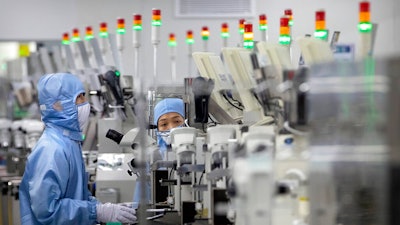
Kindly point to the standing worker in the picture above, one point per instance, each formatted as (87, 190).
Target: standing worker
(54, 187)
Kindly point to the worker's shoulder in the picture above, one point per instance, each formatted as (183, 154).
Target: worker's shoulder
(52, 142)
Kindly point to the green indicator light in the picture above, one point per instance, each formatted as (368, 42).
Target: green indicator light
(75, 39)
(321, 34)
(290, 22)
(225, 35)
(121, 31)
(172, 43)
(248, 44)
(88, 37)
(241, 31)
(156, 23)
(263, 27)
(204, 38)
(83, 137)
(284, 39)
(190, 41)
(117, 73)
(365, 27)
(137, 27)
(103, 34)
(65, 42)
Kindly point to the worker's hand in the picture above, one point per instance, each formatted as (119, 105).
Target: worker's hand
(109, 212)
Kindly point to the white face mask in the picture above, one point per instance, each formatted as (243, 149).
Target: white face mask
(166, 136)
(83, 114)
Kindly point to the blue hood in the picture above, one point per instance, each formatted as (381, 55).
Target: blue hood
(57, 95)
(168, 105)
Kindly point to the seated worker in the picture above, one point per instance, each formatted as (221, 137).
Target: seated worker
(54, 187)
(168, 113)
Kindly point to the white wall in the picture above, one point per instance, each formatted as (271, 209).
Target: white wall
(48, 19)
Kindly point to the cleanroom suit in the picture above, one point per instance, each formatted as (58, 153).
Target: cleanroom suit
(54, 187)
(163, 107)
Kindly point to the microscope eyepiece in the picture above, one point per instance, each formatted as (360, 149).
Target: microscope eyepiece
(114, 135)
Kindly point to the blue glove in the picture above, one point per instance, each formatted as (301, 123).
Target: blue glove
(109, 212)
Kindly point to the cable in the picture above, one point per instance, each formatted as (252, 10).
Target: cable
(213, 121)
(235, 100)
(292, 130)
(201, 176)
(230, 103)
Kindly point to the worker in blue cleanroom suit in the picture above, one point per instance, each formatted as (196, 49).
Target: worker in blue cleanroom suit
(169, 113)
(54, 187)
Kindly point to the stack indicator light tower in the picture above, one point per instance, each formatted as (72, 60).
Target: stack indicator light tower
(65, 39)
(205, 35)
(66, 43)
(248, 36)
(103, 35)
(320, 26)
(365, 25)
(76, 37)
(285, 38)
(289, 14)
(172, 46)
(263, 27)
(136, 41)
(136, 30)
(241, 30)
(365, 29)
(224, 34)
(89, 36)
(120, 32)
(89, 33)
(155, 38)
(120, 42)
(284, 31)
(189, 42)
